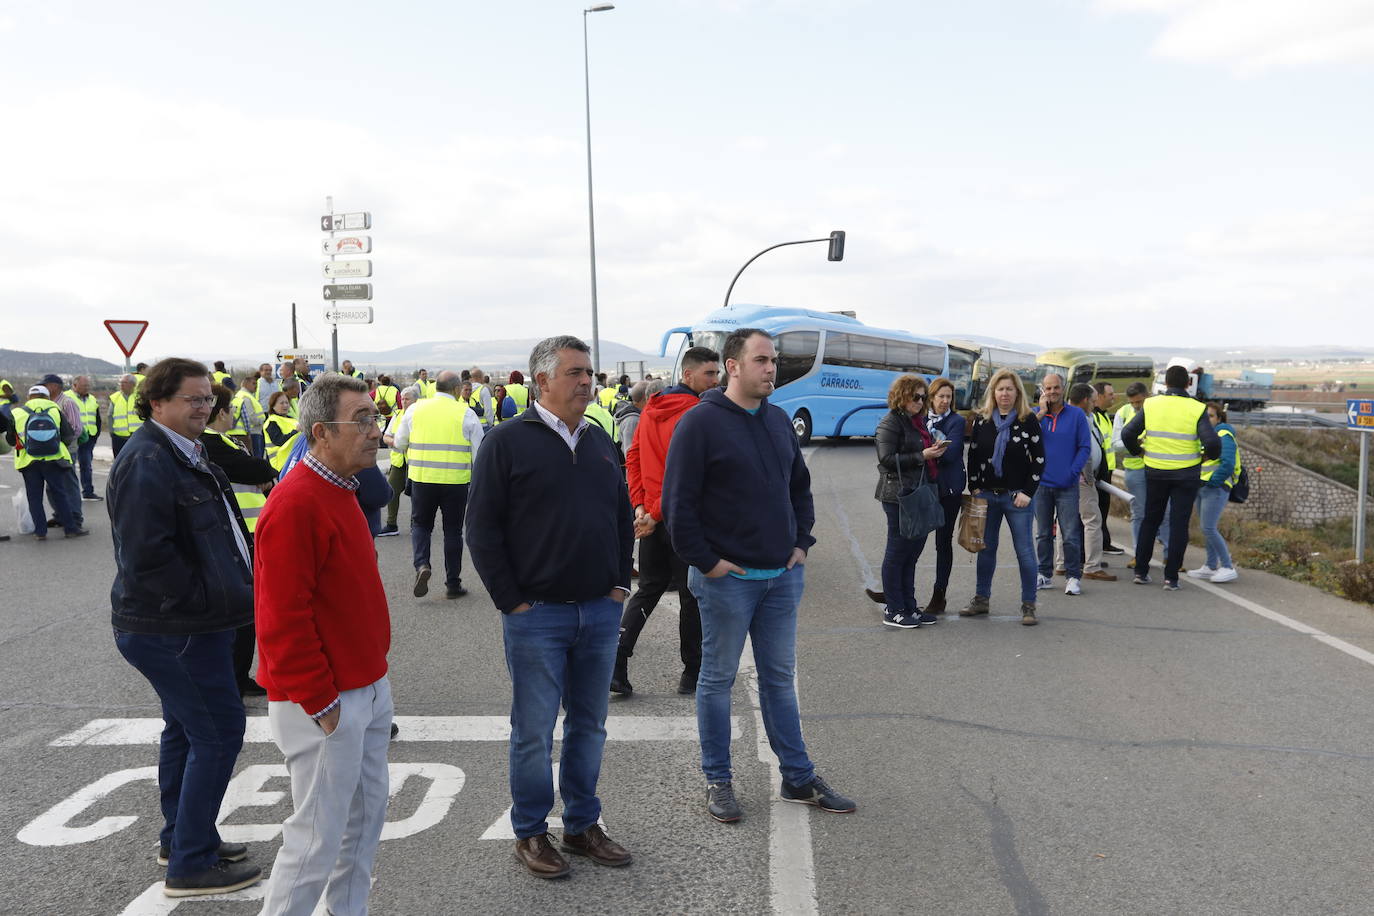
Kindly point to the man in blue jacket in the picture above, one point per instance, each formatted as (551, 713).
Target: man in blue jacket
(183, 586)
(737, 502)
(1068, 445)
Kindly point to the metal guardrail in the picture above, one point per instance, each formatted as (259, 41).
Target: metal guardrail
(1285, 420)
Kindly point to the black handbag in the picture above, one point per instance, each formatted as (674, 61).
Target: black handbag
(919, 510)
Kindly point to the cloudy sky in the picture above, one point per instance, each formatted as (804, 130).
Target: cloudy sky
(1072, 172)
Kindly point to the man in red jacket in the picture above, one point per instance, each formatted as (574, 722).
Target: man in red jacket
(323, 634)
(659, 566)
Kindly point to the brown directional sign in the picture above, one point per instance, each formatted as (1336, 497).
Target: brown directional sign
(335, 291)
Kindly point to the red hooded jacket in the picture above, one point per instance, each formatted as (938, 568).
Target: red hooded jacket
(649, 452)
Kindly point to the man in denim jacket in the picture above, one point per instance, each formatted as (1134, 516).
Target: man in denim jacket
(183, 585)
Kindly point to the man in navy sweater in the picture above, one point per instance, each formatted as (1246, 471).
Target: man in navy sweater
(551, 534)
(1068, 445)
(737, 502)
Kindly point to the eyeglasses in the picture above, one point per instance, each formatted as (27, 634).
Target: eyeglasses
(918, 397)
(364, 424)
(197, 401)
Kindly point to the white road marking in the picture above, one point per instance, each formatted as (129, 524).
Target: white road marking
(503, 829)
(412, 728)
(1334, 642)
(791, 867)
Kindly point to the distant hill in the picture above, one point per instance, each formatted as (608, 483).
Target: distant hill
(15, 364)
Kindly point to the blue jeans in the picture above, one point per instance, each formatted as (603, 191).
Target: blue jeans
(1019, 522)
(85, 455)
(558, 652)
(203, 712)
(1048, 503)
(427, 499)
(1135, 482)
(36, 474)
(899, 564)
(1210, 503)
(766, 611)
(259, 444)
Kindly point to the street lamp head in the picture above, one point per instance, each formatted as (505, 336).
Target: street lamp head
(599, 8)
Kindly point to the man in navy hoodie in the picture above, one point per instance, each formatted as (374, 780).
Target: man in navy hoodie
(737, 502)
(1068, 445)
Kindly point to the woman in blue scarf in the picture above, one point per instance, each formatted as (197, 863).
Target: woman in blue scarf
(1005, 460)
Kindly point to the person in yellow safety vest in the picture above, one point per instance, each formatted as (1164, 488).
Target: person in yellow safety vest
(1219, 475)
(602, 417)
(1102, 419)
(250, 478)
(482, 397)
(439, 436)
(42, 458)
(124, 419)
(517, 394)
(218, 375)
(396, 474)
(90, 431)
(138, 375)
(241, 417)
(7, 395)
(349, 371)
(253, 414)
(423, 384)
(386, 396)
(279, 428)
(1173, 434)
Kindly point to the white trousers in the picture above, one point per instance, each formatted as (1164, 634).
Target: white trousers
(339, 787)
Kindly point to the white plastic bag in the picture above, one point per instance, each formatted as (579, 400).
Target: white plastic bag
(21, 513)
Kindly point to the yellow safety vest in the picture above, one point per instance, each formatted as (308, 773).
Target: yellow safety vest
(21, 418)
(438, 452)
(398, 457)
(606, 397)
(124, 420)
(356, 373)
(90, 411)
(1209, 466)
(5, 383)
(427, 388)
(138, 381)
(243, 415)
(520, 395)
(602, 417)
(283, 452)
(285, 424)
(295, 407)
(1128, 461)
(1104, 426)
(389, 395)
(219, 377)
(247, 495)
(1170, 439)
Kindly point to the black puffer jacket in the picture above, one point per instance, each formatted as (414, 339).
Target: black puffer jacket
(896, 436)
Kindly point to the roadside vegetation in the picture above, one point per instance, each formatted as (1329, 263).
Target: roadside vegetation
(1333, 453)
(1323, 556)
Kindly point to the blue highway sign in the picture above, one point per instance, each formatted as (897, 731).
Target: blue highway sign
(1359, 413)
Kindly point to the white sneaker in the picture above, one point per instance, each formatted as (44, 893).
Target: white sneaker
(1071, 587)
(1202, 572)
(1225, 574)
(1043, 582)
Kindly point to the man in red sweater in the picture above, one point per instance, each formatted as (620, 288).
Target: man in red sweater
(659, 566)
(323, 635)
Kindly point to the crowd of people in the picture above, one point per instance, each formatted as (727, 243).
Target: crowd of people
(243, 514)
(1045, 469)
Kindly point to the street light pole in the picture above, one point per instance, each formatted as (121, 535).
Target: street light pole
(836, 253)
(591, 214)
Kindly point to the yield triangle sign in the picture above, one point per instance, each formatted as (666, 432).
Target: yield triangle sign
(126, 333)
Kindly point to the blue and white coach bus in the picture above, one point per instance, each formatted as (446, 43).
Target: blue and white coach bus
(833, 370)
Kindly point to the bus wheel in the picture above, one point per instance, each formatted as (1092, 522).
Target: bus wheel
(801, 425)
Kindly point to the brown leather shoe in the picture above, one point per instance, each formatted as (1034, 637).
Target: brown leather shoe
(538, 855)
(1100, 575)
(595, 845)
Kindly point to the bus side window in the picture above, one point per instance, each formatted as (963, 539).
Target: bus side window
(796, 355)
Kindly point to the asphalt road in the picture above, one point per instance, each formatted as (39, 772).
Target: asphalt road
(1138, 752)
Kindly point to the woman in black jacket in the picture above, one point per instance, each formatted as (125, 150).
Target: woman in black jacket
(908, 453)
(943, 418)
(1005, 460)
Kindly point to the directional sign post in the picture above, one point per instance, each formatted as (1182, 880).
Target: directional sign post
(350, 244)
(347, 244)
(347, 269)
(336, 291)
(1359, 416)
(127, 333)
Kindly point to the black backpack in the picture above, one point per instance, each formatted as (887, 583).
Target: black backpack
(41, 435)
(1240, 490)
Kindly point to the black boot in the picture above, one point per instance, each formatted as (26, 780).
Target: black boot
(937, 602)
(620, 677)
